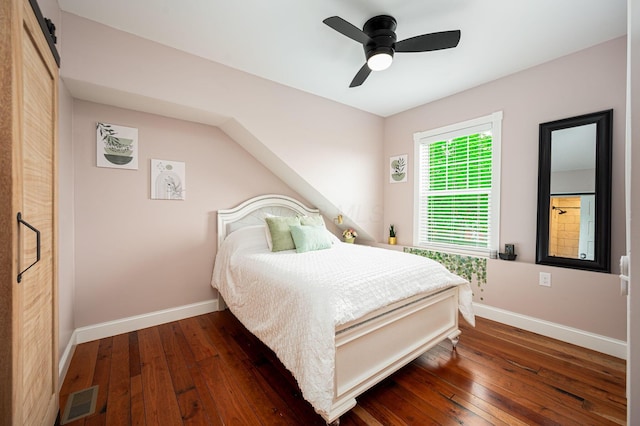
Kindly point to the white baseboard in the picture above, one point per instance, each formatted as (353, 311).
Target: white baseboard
(596, 342)
(126, 325)
(65, 359)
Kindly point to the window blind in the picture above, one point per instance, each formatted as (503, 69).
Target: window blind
(455, 189)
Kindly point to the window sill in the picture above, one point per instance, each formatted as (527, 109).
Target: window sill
(397, 247)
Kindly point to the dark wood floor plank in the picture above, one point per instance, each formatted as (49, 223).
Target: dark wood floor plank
(488, 366)
(277, 385)
(604, 411)
(258, 353)
(210, 370)
(585, 391)
(496, 388)
(465, 399)
(552, 347)
(550, 386)
(359, 417)
(374, 403)
(283, 397)
(488, 412)
(101, 379)
(135, 365)
(191, 407)
(584, 372)
(516, 377)
(197, 339)
(422, 406)
(421, 395)
(233, 407)
(272, 403)
(138, 417)
(269, 406)
(160, 403)
(119, 396)
(208, 404)
(409, 408)
(178, 369)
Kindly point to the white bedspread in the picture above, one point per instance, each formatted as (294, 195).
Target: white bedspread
(293, 301)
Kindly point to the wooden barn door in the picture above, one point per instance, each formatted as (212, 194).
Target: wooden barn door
(38, 322)
(29, 388)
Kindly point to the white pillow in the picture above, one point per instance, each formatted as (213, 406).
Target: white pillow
(248, 236)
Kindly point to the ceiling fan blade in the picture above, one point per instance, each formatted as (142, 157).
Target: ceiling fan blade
(361, 76)
(427, 42)
(346, 28)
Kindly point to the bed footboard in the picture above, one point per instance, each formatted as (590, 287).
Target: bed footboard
(383, 342)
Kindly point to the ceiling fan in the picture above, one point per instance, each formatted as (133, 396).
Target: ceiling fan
(378, 38)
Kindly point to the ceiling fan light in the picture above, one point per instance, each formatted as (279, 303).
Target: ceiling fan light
(380, 61)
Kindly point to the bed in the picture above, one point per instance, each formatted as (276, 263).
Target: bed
(340, 318)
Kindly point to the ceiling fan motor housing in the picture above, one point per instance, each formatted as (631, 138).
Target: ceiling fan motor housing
(382, 36)
(378, 38)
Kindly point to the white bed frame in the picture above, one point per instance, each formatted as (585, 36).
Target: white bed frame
(373, 347)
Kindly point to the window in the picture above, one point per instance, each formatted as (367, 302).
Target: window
(457, 194)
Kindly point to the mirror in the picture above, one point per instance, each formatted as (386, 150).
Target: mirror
(574, 192)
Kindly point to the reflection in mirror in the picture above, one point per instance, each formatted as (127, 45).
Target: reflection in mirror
(574, 192)
(572, 226)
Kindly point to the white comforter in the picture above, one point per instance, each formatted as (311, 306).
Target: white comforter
(293, 301)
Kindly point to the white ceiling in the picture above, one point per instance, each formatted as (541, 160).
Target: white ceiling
(285, 40)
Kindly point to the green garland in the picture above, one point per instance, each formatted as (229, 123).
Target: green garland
(467, 267)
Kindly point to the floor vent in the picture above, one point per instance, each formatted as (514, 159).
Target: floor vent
(80, 404)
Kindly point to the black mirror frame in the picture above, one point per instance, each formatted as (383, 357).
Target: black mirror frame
(602, 249)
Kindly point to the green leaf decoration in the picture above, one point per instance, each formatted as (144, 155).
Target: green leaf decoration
(467, 267)
(113, 144)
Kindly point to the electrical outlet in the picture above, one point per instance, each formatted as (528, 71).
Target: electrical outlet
(545, 279)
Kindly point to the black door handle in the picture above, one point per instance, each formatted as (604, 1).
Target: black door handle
(20, 221)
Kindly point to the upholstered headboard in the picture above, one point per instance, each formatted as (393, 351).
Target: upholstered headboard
(253, 212)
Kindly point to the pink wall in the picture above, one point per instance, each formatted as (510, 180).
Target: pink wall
(332, 148)
(588, 81)
(134, 255)
(336, 149)
(340, 152)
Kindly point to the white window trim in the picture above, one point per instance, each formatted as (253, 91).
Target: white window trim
(447, 132)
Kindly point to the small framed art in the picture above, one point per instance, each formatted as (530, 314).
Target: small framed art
(116, 146)
(398, 168)
(167, 180)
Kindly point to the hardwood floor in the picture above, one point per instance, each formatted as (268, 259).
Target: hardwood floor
(209, 370)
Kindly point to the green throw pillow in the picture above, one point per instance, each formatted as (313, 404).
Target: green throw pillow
(280, 234)
(310, 238)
